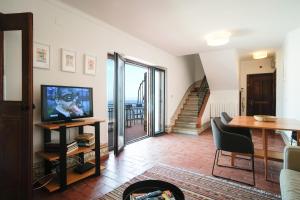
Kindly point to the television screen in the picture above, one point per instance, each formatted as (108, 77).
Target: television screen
(66, 103)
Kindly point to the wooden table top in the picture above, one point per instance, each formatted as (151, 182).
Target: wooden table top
(53, 126)
(279, 124)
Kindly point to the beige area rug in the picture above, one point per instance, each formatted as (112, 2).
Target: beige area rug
(195, 186)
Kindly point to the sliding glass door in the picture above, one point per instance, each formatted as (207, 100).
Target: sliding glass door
(159, 101)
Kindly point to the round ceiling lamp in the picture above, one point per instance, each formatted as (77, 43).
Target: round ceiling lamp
(260, 54)
(217, 38)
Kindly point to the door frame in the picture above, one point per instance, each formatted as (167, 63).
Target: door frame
(153, 69)
(274, 89)
(118, 150)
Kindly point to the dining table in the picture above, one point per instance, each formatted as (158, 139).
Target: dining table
(266, 129)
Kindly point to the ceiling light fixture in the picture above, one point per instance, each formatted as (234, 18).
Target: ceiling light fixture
(260, 54)
(217, 38)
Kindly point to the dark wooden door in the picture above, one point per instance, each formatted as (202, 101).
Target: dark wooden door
(261, 94)
(16, 106)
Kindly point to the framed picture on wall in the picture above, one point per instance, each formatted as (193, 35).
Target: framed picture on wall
(68, 60)
(41, 55)
(90, 64)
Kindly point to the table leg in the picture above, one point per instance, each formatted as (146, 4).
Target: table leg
(298, 137)
(265, 149)
(232, 159)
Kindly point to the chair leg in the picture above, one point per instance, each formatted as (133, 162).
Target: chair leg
(253, 169)
(217, 152)
(218, 156)
(216, 159)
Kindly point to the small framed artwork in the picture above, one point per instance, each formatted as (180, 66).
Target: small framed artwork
(90, 64)
(41, 55)
(68, 60)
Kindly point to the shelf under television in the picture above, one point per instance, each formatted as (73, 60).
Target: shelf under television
(55, 156)
(72, 177)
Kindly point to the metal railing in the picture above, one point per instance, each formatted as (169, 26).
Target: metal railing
(133, 113)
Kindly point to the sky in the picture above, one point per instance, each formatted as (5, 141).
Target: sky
(133, 77)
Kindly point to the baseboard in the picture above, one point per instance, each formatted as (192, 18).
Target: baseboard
(204, 127)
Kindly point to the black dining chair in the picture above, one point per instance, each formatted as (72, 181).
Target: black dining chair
(227, 140)
(225, 119)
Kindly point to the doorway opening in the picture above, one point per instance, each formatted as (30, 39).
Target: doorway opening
(136, 101)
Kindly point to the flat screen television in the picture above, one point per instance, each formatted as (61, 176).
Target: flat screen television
(65, 103)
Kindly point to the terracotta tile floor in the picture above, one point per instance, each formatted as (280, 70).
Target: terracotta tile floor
(194, 153)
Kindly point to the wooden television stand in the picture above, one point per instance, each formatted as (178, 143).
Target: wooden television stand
(67, 177)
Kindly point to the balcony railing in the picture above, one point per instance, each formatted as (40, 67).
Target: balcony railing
(133, 113)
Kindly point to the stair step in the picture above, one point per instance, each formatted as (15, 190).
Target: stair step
(187, 118)
(190, 131)
(193, 97)
(191, 105)
(180, 124)
(185, 126)
(192, 102)
(191, 108)
(189, 114)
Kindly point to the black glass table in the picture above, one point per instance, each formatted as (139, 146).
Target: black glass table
(151, 186)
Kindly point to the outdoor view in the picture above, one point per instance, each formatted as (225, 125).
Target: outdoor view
(135, 87)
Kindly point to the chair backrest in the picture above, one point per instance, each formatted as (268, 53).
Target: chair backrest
(225, 118)
(228, 140)
(216, 130)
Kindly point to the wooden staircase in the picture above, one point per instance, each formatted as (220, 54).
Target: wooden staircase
(188, 121)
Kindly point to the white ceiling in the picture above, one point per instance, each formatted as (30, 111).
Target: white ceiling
(179, 26)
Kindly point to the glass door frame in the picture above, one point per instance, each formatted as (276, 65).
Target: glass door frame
(152, 104)
(119, 112)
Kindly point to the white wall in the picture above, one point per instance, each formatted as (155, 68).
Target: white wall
(199, 71)
(288, 77)
(61, 26)
(252, 67)
(279, 82)
(222, 73)
(221, 69)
